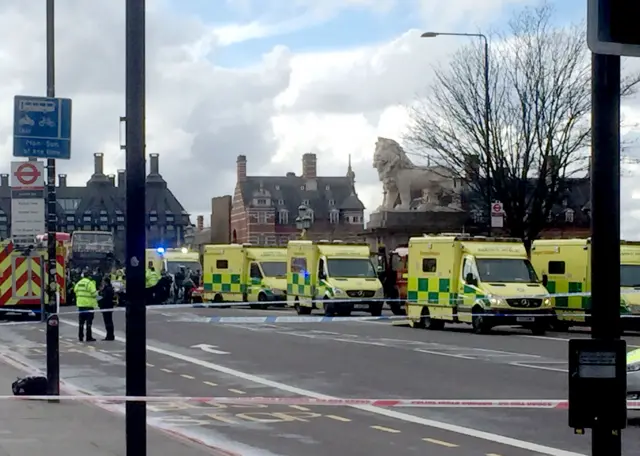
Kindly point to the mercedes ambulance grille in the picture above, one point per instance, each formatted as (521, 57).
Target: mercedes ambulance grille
(526, 303)
(361, 293)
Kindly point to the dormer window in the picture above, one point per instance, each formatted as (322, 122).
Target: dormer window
(277, 187)
(305, 202)
(281, 202)
(303, 188)
(262, 202)
(332, 202)
(328, 187)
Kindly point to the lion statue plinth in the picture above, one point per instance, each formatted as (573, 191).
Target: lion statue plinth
(400, 177)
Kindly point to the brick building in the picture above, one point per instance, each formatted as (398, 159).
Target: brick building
(265, 208)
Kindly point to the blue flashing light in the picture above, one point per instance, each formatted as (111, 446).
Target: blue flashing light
(160, 250)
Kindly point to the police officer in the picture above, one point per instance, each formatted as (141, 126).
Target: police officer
(151, 281)
(106, 305)
(86, 302)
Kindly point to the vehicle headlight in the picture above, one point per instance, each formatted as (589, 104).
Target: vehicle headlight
(379, 293)
(494, 301)
(633, 367)
(338, 292)
(546, 302)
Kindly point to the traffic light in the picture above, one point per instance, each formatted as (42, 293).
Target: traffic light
(612, 27)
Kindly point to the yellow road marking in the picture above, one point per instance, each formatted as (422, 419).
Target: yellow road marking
(299, 407)
(150, 365)
(166, 370)
(338, 418)
(386, 429)
(236, 391)
(187, 376)
(209, 383)
(221, 418)
(441, 443)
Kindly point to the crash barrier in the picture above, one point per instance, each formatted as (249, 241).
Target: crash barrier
(384, 403)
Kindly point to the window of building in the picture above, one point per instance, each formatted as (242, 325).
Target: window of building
(305, 202)
(222, 264)
(262, 217)
(303, 188)
(281, 202)
(86, 228)
(261, 202)
(569, 215)
(283, 217)
(556, 267)
(332, 202)
(277, 187)
(328, 187)
(104, 228)
(429, 265)
(69, 204)
(334, 216)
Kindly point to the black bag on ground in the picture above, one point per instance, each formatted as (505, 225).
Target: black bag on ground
(35, 385)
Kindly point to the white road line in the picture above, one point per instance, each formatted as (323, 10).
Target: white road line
(566, 340)
(496, 438)
(546, 368)
(450, 355)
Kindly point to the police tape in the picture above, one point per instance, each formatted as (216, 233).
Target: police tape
(339, 402)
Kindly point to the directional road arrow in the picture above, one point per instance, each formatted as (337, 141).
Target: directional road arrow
(210, 349)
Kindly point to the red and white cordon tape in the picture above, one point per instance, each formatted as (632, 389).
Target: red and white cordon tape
(387, 403)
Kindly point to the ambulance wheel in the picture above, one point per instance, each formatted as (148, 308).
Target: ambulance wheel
(431, 323)
(300, 310)
(420, 323)
(376, 309)
(539, 329)
(263, 299)
(478, 322)
(560, 326)
(217, 299)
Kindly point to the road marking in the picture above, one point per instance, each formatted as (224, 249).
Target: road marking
(450, 355)
(190, 377)
(221, 418)
(441, 443)
(338, 418)
(545, 368)
(168, 371)
(470, 432)
(206, 382)
(150, 365)
(565, 340)
(386, 429)
(236, 391)
(298, 407)
(493, 454)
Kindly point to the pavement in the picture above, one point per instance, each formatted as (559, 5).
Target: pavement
(337, 359)
(72, 429)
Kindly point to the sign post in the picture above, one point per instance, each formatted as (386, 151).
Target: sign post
(27, 202)
(42, 129)
(497, 215)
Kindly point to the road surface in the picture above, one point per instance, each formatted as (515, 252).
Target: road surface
(352, 359)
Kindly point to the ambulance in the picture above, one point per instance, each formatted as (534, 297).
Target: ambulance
(245, 273)
(564, 265)
(486, 282)
(334, 277)
(172, 260)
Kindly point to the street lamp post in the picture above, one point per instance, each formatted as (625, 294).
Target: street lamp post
(487, 107)
(303, 220)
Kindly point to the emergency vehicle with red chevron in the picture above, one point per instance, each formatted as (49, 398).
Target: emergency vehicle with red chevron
(23, 277)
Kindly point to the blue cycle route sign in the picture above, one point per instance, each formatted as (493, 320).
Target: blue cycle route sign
(42, 127)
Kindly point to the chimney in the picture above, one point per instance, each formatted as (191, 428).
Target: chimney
(4, 180)
(200, 223)
(154, 165)
(62, 180)
(121, 178)
(309, 170)
(112, 179)
(241, 168)
(98, 164)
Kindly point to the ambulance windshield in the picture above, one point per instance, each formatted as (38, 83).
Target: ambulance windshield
(274, 268)
(174, 266)
(351, 267)
(506, 270)
(630, 275)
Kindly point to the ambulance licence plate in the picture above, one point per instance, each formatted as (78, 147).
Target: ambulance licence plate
(525, 319)
(361, 306)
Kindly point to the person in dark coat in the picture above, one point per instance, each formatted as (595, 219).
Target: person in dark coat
(106, 305)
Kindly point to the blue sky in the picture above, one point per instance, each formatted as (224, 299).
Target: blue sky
(340, 28)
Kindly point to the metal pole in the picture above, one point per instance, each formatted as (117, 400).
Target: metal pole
(605, 221)
(487, 142)
(136, 376)
(53, 327)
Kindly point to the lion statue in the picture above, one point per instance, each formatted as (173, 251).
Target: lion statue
(401, 178)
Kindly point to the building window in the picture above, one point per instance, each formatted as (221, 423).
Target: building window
(283, 217)
(305, 203)
(262, 202)
(277, 187)
(569, 215)
(68, 204)
(104, 228)
(262, 217)
(332, 202)
(328, 187)
(303, 188)
(334, 216)
(281, 202)
(86, 228)
(71, 227)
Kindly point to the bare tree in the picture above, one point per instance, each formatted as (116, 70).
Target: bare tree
(539, 118)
